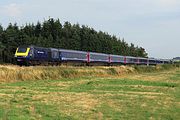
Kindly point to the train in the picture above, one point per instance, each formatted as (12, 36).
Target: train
(33, 55)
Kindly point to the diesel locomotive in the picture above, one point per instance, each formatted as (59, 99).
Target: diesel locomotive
(33, 55)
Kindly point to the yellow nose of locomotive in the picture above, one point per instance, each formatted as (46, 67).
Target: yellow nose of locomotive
(22, 52)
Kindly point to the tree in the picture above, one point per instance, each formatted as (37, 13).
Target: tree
(38, 29)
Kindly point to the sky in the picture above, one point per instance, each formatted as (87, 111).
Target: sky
(152, 24)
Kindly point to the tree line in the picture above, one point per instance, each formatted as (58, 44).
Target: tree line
(52, 33)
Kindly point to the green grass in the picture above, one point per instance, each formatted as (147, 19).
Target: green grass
(136, 96)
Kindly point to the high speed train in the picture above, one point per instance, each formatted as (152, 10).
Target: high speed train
(33, 55)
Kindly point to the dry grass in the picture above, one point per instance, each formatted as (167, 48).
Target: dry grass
(83, 100)
(12, 73)
(160, 76)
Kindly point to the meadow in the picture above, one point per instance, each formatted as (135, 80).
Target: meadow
(46, 93)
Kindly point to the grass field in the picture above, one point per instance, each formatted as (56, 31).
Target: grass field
(141, 96)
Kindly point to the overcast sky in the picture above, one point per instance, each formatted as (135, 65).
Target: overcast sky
(152, 24)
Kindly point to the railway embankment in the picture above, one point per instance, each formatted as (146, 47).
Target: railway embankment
(13, 73)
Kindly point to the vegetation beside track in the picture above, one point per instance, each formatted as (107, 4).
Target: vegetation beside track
(12, 73)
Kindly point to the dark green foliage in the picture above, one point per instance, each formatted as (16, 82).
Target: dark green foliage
(51, 33)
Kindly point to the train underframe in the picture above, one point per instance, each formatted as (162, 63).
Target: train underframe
(30, 62)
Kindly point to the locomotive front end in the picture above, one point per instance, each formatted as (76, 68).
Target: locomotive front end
(22, 55)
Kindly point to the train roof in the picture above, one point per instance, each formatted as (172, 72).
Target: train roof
(116, 55)
(98, 53)
(55, 49)
(176, 58)
(77, 51)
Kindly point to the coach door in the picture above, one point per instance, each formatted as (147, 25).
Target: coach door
(49, 55)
